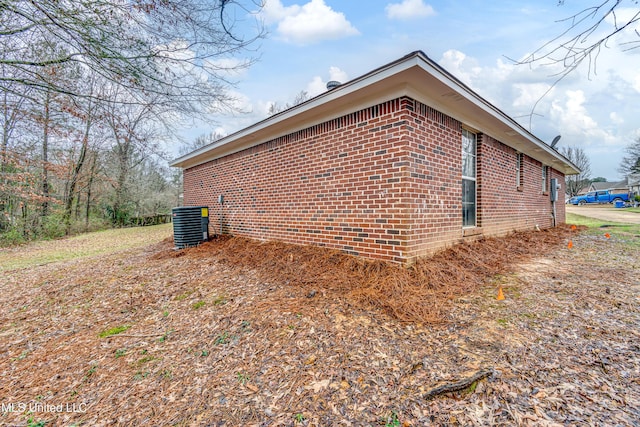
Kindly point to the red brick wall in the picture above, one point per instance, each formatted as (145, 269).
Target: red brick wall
(337, 184)
(384, 182)
(433, 192)
(504, 205)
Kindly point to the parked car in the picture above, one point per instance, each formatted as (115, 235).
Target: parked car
(603, 196)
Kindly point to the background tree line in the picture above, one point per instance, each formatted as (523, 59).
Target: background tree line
(90, 92)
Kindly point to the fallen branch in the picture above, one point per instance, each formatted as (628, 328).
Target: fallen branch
(459, 385)
(137, 336)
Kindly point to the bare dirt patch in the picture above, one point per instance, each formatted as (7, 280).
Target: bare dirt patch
(235, 334)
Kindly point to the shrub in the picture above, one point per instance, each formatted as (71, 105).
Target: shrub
(53, 227)
(11, 237)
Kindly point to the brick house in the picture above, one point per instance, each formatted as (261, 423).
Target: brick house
(392, 165)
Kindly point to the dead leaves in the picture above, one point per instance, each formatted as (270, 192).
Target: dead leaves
(317, 386)
(564, 351)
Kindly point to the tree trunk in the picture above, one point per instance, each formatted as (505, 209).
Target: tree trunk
(73, 181)
(45, 158)
(123, 154)
(5, 146)
(92, 174)
(5, 134)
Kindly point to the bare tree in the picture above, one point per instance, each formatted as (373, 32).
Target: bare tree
(575, 183)
(129, 131)
(582, 40)
(301, 97)
(86, 111)
(199, 142)
(631, 162)
(89, 88)
(175, 49)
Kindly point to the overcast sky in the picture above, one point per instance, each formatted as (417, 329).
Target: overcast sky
(312, 42)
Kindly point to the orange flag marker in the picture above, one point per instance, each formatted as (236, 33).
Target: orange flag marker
(500, 296)
(573, 227)
(570, 245)
(607, 235)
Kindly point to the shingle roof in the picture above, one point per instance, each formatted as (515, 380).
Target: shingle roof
(598, 186)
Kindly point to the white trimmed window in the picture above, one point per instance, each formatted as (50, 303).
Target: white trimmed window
(469, 146)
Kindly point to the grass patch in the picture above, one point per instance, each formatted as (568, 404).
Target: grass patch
(98, 243)
(220, 300)
(145, 359)
(184, 296)
(198, 305)
(141, 375)
(165, 337)
(242, 378)
(113, 331)
(628, 233)
(31, 422)
(222, 339)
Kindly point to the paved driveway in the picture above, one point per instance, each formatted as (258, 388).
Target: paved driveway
(606, 213)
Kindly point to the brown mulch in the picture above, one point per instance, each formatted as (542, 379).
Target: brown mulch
(420, 293)
(238, 332)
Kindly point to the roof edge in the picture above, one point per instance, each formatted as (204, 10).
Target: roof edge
(414, 59)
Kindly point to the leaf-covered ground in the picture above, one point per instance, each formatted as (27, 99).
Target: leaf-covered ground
(284, 337)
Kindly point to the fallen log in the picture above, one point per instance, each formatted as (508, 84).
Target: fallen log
(458, 385)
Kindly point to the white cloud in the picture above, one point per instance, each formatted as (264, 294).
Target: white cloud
(572, 112)
(177, 58)
(636, 83)
(409, 9)
(464, 68)
(273, 11)
(310, 23)
(220, 131)
(572, 117)
(337, 74)
(317, 85)
(615, 118)
(529, 94)
(595, 115)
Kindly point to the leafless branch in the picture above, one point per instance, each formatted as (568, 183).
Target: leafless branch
(581, 41)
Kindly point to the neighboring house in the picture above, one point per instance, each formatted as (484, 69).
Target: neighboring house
(392, 165)
(633, 183)
(614, 187)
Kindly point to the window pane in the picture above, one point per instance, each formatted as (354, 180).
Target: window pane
(468, 142)
(468, 191)
(468, 216)
(468, 165)
(468, 203)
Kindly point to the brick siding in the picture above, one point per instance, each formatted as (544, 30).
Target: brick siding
(503, 204)
(383, 182)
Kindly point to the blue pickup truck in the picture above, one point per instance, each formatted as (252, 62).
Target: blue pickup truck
(603, 196)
